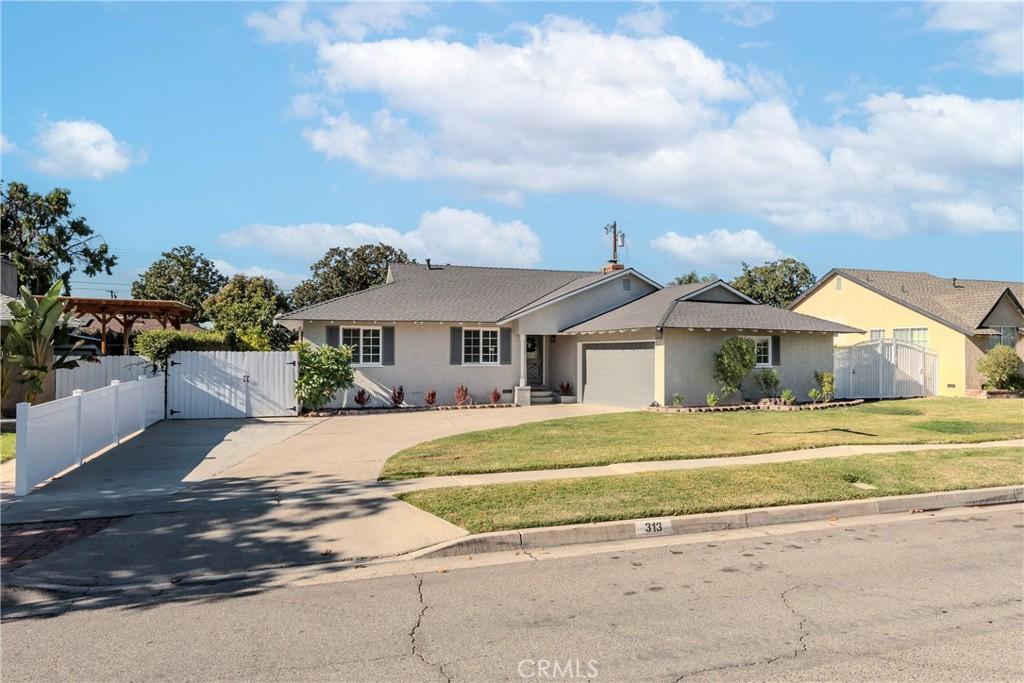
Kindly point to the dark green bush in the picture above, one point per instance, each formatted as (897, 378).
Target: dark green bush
(159, 345)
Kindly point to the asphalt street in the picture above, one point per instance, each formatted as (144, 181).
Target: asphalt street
(931, 598)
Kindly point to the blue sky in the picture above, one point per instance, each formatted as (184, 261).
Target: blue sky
(866, 135)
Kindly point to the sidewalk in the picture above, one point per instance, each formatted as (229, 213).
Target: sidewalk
(407, 485)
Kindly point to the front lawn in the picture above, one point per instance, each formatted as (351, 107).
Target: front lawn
(625, 437)
(6, 446)
(682, 492)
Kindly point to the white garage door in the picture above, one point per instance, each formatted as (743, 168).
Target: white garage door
(620, 374)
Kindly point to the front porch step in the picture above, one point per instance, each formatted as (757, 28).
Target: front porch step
(541, 395)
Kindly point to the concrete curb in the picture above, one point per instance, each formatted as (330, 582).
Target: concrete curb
(548, 537)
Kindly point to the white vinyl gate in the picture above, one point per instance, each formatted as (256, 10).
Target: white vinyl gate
(210, 384)
(885, 369)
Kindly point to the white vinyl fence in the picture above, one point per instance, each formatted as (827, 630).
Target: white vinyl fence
(219, 384)
(885, 369)
(89, 376)
(54, 436)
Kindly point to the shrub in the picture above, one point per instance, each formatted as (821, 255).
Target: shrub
(159, 345)
(462, 395)
(677, 399)
(712, 399)
(323, 372)
(1002, 367)
(788, 397)
(814, 395)
(826, 382)
(733, 362)
(495, 396)
(397, 396)
(768, 382)
(565, 388)
(362, 397)
(430, 398)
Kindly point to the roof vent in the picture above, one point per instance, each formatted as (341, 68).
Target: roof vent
(956, 284)
(430, 267)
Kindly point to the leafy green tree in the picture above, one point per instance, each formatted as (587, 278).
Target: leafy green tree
(777, 283)
(246, 306)
(1002, 368)
(36, 328)
(323, 372)
(181, 274)
(45, 241)
(693, 277)
(345, 270)
(158, 345)
(733, 362)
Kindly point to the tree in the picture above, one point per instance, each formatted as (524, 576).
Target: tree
(345, 270)
(1002, 368)
(733, 362)
(693, 278)
(246, 306)
(181, 274)
(323, 372)
(776, 283)
(36, 328)
(45, 241)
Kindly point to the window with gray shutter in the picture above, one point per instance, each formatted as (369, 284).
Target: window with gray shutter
(455, 352)
(506, 346)
(776, 350)
(387, 346)
(333, 336)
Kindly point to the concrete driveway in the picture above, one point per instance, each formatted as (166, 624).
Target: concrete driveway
(209, 497)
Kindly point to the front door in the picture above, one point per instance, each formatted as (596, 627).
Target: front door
(535, 360)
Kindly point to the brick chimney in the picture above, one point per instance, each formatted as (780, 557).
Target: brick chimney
(612, 266)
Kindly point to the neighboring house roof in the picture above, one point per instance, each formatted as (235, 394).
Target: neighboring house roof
(957, 303)
(416, 292)
(5, 313)
(671, 307)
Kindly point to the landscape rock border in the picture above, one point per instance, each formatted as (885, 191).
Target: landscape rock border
(755, 406)
(332, 412)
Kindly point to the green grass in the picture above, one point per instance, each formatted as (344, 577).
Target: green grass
(6, 447)
(625, 437)
(681, 492)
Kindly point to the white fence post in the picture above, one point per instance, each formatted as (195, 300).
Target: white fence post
(22, 455)
(142, 402)
(77, 393)
(117, 408)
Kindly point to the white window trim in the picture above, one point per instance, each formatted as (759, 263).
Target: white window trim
(481, 363)
(770, 358)
(871, 333)
(360, 363)
(1002, 330)
(911, 330)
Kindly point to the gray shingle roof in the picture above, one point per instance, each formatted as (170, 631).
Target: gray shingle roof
(445, 293)
(962, 307)
(663, 309)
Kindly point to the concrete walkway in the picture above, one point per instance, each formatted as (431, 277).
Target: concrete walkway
(689, 464)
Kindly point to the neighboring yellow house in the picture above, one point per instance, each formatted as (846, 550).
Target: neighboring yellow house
(957, 319)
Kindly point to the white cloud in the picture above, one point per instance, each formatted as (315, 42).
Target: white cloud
(718, 249)
(6, 144)
(282, 279)
(446, 235)
(745, 14)
(291, 23)
(656, 119)
(999, 46)
(649, 20)
(82, 148)
(755, 44)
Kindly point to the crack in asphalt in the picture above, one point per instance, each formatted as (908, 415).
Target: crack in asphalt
(416, 627)
(797, 651)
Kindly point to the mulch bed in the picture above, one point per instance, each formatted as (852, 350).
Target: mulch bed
(20, 544)
(756, 406)
(404, 409)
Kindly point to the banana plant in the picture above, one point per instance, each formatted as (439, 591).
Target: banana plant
(37, 328)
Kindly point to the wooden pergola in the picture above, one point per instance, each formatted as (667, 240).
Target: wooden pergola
(125, 312)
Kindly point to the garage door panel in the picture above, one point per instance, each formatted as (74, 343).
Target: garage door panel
(620, 374)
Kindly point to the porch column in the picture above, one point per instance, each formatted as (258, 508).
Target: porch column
(522, 360)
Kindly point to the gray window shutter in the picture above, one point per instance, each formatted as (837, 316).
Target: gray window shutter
(333, 335)
(456, 346)
(506, 346)
(387, 346)
(776, 350)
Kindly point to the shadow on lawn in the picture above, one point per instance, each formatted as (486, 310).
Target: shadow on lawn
(819, 431)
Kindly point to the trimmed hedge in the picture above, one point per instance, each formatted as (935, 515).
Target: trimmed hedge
(159, 345)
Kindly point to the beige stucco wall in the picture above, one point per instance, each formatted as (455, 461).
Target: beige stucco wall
(1004, 314)
(422, 363)
(582, 306)
(862, 308)
(690, 359)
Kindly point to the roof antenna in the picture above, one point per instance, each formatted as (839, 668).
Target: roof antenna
(618, 240)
